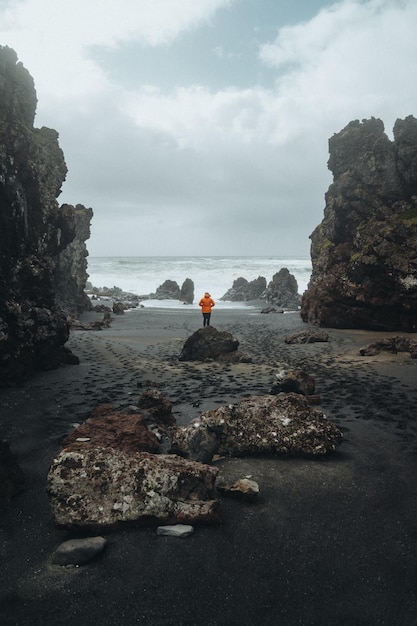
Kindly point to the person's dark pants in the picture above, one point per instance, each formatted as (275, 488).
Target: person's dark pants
(206, 319)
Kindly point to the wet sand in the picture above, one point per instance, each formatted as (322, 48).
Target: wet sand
(329, 542)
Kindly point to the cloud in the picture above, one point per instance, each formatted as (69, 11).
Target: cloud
(198, 117)
(243, 167)
(351, 58)
(56, 38)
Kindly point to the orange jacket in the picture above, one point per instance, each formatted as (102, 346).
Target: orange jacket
(206, 303)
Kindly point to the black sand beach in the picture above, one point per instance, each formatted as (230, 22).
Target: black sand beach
(329, 542)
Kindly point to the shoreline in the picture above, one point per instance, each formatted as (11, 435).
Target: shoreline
(329, 541)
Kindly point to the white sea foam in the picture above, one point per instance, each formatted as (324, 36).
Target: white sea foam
(143, 275)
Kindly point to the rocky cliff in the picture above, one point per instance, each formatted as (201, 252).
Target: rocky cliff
(71, 265)
(364, 252)
(34, 230)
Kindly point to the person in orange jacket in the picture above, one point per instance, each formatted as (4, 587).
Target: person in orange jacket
(206, 303)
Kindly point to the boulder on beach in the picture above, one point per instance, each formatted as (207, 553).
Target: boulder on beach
(391, 344)
(242, 489)
(293, 380)
(76, 324)
(109, 428)
(118, 308)
(78, 551)
(157, 407)
(107, 472)
(208, 343)
(283, 424)
(100, 487)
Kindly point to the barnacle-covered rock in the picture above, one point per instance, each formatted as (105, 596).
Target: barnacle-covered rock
(283, 424)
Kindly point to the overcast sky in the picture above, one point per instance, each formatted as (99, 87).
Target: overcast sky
(201, 127)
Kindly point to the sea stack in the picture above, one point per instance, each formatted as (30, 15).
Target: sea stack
(364, 262)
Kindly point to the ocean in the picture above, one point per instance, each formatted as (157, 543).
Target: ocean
(143, 275)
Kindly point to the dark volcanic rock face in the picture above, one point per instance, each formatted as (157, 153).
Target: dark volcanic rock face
(364, 252)
(71, 266)
(33, 229)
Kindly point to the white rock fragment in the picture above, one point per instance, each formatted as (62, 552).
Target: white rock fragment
(409, 282)
(281, 374)
(175, 530)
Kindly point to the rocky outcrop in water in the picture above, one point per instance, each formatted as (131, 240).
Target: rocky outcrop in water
(187, 291)
(169, 290)
(113, 295)
(282, 290)
(364, 252)
(34, 230)
(243, 290)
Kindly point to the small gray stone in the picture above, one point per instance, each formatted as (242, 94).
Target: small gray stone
(78, 551)
(243, 489)
(175, 530)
